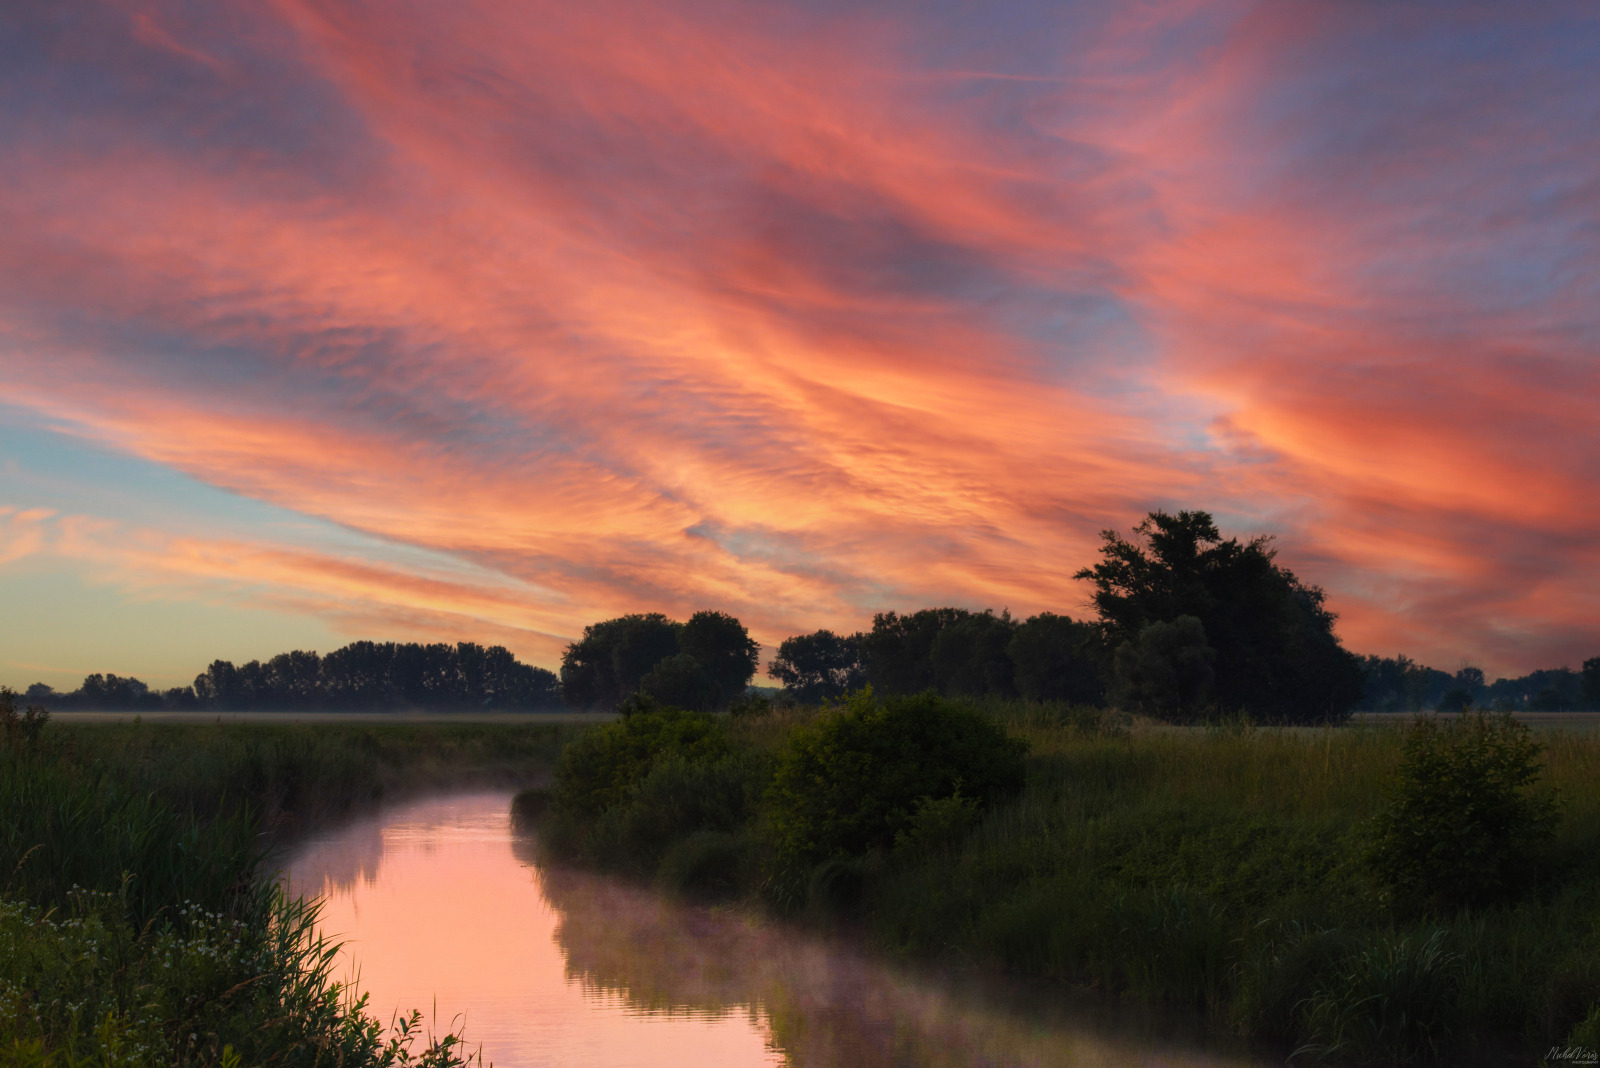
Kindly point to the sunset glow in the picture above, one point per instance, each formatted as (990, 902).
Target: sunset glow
(487, 320)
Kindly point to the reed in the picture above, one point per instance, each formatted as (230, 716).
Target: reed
(140, 920)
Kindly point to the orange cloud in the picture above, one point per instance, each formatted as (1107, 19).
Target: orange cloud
(803, 314)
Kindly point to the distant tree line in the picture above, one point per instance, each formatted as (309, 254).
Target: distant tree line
(1400, 684)
(1189, 625)
(361, 675)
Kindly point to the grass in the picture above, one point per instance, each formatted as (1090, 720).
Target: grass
(1219, 870)
(140, 919)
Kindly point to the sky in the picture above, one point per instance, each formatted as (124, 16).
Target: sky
(488, 320)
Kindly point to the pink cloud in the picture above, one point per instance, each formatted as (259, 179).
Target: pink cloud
(802, 315)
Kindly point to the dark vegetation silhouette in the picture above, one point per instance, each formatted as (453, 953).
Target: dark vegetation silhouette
(701, 665)
(1400, 684)
(359, 676)
(142, 919)
(1398, 894)
(1190, 627)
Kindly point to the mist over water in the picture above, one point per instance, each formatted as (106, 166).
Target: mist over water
(443, 909)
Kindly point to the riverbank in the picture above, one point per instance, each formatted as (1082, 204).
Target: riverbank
(1218, 870)
(141, 920)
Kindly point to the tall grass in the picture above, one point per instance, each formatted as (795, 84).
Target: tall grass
(140, 920)
(1219, 869)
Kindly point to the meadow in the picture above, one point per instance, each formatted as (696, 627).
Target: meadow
(1216, 870)
(141, 921)
(1221, 872)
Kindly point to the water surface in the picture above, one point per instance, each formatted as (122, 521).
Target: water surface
(444, 910)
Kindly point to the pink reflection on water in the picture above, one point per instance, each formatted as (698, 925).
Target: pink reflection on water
(438, 914)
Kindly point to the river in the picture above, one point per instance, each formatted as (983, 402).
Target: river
(443, 909)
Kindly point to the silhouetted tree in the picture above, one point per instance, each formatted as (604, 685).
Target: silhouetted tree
(1055, 659)
(1277, 657)
(294, 680)
(358, 676)
(1591, 683)
(969, 656)
(611, 658)
(681, 682)
(820, 666)
(1166, 670)
(724, 650)
(116, 694)
(898, 651)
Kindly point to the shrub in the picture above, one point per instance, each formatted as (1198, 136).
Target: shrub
(1459, 822)
(601, 768)
(704, 864)
(853, 779)
(677, 797)
(750, 704)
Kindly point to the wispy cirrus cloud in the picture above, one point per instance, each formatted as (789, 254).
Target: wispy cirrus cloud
(801, 311)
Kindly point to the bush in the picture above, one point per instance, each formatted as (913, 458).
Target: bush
(601, 768)
(856, 777)
(750, 705)
(1459, 823)
(677, 797)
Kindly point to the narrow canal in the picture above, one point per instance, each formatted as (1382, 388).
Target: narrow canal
(443, 909)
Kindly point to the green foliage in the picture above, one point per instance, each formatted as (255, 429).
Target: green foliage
(819, 667)
(897, 653)
(1165, 670)
(82, 827)
(970, 659)
(611, 658)
(601, 769)
(750, 705)
(22, 729)
(140, 928)
(1220, 869)
(704, 864)
(1394, 998)
(679, 681)
(853, 779)
(86, 984)
(1277, 657)
(701, 664)
(938, 823)
(1055, 659)
(726, 654)
(1460, 823)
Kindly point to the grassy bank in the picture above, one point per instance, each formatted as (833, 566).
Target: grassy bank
(140, 921)
(1220, 870)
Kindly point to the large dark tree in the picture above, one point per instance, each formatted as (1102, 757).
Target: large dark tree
(820, 666)
(898, 651)
(1591, 683)
(608, 662)
(680, 682)
(969, 656)
(723, 649)
(1277, 658)
(1056, 659)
